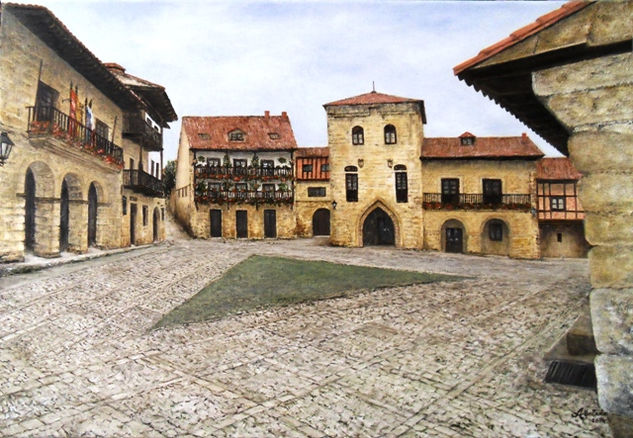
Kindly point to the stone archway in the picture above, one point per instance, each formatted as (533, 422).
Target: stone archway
(454, 237)
(321, 222)
(70, 213)
(378, 228)
(39, 227)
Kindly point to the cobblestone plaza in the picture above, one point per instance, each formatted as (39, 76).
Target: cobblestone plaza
(77, 356)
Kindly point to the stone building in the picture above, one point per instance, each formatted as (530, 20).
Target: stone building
(569, 77)
(61, 188)
(313, 202)
(375, 172)
(560, 213)
(235, 176)
(478, 195)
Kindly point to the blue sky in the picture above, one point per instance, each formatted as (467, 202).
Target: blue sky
(242, 58)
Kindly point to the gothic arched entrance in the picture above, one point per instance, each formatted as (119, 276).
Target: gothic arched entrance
(378, 229)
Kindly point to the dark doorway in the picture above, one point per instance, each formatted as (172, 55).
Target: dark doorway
(241, 223)
(378, 229)
(64, 213)
(270, 223)
(133, 211)
(454, 240)
(92, 215)
(155, 225)
(216, 222)
(29, 211)
(321, 222)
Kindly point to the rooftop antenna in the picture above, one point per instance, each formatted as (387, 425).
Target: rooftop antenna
(373, 87)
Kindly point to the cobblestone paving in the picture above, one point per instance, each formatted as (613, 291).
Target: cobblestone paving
(444, 359)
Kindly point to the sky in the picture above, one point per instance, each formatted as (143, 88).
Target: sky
(243, 58)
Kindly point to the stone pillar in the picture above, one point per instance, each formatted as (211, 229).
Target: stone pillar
(594, 100)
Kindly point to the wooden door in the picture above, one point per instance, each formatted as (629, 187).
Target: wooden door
(270, 223)
(454, 240)
(92, 215)
(63, 218)
(155, 224)
(321, 222)
(29, 211)
(216, 223)
(241, 223)
(133, 212)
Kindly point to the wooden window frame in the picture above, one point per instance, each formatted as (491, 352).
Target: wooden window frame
(351, 187)
(391, 136)
(316, 192)
(402, 187)
(358, 136)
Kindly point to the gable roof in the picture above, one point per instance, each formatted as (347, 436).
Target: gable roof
(153, 95)
(52, 32)
(311, 152)
(515, 148)
(211, 132)
(559, 169)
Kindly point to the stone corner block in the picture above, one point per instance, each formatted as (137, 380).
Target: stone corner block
(612, 320)
(615, 384)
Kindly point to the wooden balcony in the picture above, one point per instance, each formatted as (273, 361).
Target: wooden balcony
(238, 173)
(254, 197)
(476, 201)
(137, 129)
(142, 182)
(47, 121)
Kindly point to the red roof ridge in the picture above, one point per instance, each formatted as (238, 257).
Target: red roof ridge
(372, 97)
(524, 32)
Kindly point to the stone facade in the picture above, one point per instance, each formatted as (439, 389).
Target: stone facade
(61, 188)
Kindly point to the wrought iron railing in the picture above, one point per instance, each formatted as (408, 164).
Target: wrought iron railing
(244, 196)
(134, 125)
(476, 201)
(239, 172)
(143, 182)
(48, 120)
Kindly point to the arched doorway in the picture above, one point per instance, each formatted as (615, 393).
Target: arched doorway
(92, 215)
(378, 229)
(64, 213)
(453, 236)
(321, 222)
(155, 225)
(29, 211)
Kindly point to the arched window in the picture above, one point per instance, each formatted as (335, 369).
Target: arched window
(358, 135)
(390, 134)
(399, 167)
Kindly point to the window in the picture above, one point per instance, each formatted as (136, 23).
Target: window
(131, 163)
(559, 237)
(390, 134)
(492, 191)
(269, 191)
(325, 167)
(401, 187)
(240, 166)
(467, 141)
(45, 101)
(306, 168)
(214, 187)
(495, 231)
(204, 136)
(399, 167)
(102, 130)
(268, 167)
(358, 135)
(236, 135)
(450, 191)
(351, 187)
(314, 192)
(241, 190)
(124, 205)
(273, 136)
(145, 215)
(351, 169)
(215, 162)
(557, 203)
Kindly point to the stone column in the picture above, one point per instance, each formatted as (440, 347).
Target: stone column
(594, 100)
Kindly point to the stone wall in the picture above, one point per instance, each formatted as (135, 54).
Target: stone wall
(563, 239)
(594, 100)
(143, 231)
(375, 161)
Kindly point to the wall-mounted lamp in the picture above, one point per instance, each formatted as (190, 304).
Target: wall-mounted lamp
(334, 204)
(390, 163)
(361, 162)
(5, 147)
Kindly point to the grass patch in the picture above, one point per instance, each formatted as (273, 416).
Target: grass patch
(261, 281)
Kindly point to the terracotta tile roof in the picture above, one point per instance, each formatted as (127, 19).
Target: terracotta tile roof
(467, 135)
(541, 23)
(212, 133)
(313, 152)
(371, 98)
(484, 148)
(556, 169)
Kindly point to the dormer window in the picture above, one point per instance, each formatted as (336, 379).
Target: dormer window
(390, 134)
(273, 136)
(204, 136)
(236, 135)
(467, 139)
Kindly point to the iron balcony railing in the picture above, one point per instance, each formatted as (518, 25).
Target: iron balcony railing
(146, 135)
(240, 172)
(476, 201)
(245, 196)
(142, 182)
(48, 120)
